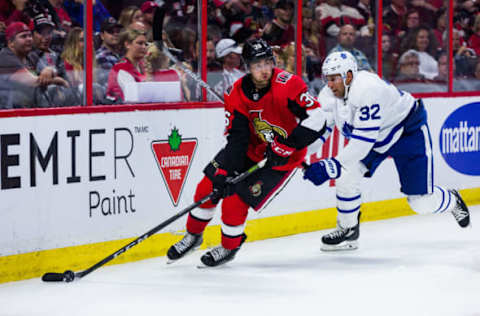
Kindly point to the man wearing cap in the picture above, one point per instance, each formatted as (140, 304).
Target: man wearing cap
(16, 69)
(280, 31)
(228, 52)
(110, 52)
(42, 58)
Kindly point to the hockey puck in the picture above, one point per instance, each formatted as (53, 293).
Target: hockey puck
(68, 276)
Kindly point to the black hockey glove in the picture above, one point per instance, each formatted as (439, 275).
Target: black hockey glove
(278, 152)
(221, 187)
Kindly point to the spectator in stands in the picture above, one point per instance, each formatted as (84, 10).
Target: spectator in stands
(130, 68)
(73, 56)
(312, 34)
(393, 17)
(148, 8)
(443, 68)
(408, 70)
(423, 41)
(42, 57)
(389, 58)
(19, 85)
(183, 12)
(242, 13)
(290, 60)
(13, 11)
(155, 60)
(412, 22)
(476, 74)
(441, 27)
(110, 52)
(212, 62)
(464, 56)
(368, 12)
(229, 53)
(129, 15)
(464, 17)
(157, 68)
(268, 7)
(185, 39)
(65, 22)
(280, 31)
(346, 39)
(365, 8)
(333, 14)
(74, 9)
(426, 10)
(474, 40)
(188, 86)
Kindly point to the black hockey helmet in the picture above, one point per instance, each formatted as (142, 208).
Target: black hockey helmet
(256, 49)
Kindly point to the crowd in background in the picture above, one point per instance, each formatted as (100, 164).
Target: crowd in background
(42, 60)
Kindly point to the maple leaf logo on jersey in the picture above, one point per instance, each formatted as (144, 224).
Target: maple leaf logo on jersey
(266, 131)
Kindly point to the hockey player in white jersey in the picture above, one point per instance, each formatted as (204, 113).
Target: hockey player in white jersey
(380, 121)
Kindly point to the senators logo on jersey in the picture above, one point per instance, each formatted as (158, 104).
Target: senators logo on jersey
(266, 131)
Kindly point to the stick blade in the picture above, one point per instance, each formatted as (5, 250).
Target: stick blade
(67, 276)
(52, 277)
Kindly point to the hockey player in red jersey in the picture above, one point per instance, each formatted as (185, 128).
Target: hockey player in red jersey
(266, 116)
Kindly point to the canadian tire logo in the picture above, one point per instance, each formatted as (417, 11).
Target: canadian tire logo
(174, 156)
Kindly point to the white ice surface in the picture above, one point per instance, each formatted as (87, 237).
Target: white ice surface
(415, 265)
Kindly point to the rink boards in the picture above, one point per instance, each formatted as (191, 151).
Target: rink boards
(77, 187)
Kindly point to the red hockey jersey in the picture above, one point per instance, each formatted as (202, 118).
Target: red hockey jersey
(274, 110)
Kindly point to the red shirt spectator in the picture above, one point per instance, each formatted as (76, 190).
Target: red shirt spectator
(121, 74)
(474, 40)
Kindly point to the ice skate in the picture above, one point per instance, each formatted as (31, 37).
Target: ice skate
(460, 212)
(188, 244)
(342, 238)
(220, 255)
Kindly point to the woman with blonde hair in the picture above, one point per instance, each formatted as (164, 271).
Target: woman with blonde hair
(129, 69)
(129, 15)
(73, 60)
(73, 56)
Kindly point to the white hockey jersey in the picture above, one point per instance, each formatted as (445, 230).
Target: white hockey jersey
(371, 117)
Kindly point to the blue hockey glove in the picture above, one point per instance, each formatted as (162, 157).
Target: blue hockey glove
(323, 170)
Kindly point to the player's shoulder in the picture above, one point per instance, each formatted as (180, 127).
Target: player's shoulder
(366, 85)
(235, 88)
(287, 84)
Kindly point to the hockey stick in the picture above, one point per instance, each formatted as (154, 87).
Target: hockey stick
(157, 32)
(69, 275)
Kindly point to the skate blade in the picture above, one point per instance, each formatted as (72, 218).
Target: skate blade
(202, 266)
(343, 246)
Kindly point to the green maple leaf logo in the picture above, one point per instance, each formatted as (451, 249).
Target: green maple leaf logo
(174, 140)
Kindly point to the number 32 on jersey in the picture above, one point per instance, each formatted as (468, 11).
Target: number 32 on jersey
(370, 112)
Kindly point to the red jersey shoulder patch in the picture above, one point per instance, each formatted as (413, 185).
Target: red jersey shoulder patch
(283, 77)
